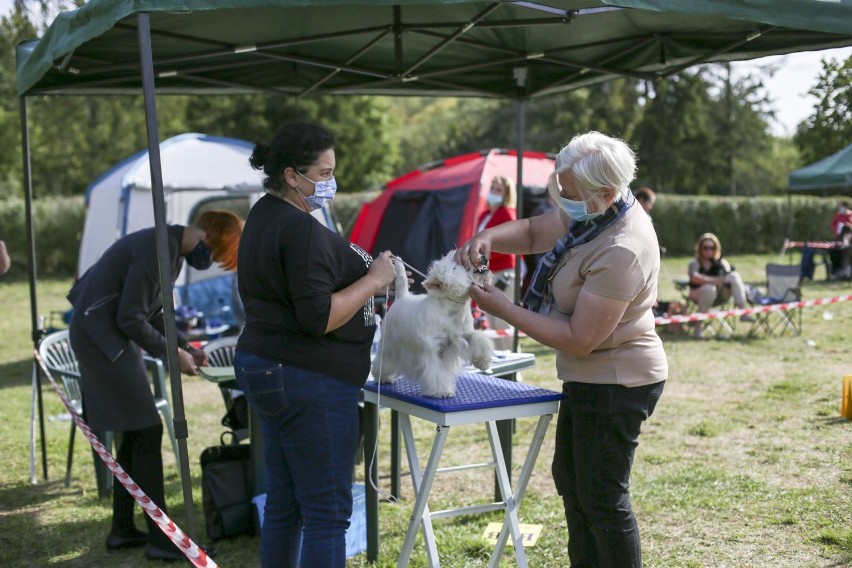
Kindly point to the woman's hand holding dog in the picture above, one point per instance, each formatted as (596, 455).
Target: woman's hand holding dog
(491, 299)
(475, 252)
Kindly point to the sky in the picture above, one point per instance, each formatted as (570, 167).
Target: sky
(787, 88)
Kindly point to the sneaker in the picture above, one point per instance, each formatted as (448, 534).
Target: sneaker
(747, 317)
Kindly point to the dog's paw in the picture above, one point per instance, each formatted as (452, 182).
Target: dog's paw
(443, 393)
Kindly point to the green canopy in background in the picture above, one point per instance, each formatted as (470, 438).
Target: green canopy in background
(833, 173)
(298, 48)
(412, 47)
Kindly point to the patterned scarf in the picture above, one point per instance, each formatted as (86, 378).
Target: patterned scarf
(539, 296)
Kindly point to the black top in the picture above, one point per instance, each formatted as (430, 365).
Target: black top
(118, 299)
(718, 267)
(290, 265)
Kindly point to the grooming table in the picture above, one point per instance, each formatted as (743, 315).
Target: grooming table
(478, 399)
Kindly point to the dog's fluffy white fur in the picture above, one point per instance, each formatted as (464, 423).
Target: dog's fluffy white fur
(428, 337)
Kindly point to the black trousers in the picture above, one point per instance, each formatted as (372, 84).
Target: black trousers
(139, 454)
(596, 436)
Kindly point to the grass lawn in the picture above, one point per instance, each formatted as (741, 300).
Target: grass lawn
(746, 462)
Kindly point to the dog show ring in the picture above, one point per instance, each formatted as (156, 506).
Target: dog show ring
(478, 399)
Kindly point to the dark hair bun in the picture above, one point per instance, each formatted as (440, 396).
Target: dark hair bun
(258, 156)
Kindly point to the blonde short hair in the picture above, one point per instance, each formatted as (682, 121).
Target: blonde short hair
(598, 161)
(509, 187)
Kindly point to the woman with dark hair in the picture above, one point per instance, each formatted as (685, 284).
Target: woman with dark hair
(304, 353)
(590, 299)
(118, 309)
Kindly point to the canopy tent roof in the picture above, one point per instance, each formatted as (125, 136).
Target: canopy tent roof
(412, 47)
(833, 173)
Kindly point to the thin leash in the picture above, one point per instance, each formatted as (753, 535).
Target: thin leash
(408, 266)
(374, 454)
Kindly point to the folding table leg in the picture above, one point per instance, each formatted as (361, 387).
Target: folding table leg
(422, 487)
(510, 519)
(520, 491)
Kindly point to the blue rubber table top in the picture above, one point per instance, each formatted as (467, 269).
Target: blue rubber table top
(473, 391)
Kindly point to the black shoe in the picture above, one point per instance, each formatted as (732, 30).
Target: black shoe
(118, 542)
(173, 555)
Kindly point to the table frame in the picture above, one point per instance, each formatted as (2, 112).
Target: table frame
(421, 518)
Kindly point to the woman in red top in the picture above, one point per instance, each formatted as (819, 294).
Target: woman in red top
(501, 208)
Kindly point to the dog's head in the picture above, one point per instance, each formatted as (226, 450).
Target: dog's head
(451, 281)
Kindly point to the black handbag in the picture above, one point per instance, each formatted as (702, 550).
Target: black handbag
(226, 490)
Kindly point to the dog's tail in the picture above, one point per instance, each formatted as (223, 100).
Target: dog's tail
(401, 282)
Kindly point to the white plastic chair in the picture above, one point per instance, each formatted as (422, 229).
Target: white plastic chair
(55, 349)
(220, 353)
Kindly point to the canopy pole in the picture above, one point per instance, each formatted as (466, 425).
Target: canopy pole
(519, 184)
(31, 258)
(164, 262)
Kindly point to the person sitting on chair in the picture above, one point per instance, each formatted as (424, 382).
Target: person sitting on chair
(712, 278)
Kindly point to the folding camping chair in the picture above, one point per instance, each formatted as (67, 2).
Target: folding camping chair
(220, 353)
(715, 327)
(55, 349)
(783, 285)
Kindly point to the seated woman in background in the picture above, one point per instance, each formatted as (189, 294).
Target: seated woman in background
(712, 278)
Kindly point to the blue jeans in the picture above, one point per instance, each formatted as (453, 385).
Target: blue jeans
(309, 423)
(596, 436)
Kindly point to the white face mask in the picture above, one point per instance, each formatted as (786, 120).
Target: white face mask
(494, 200)
(323, 192)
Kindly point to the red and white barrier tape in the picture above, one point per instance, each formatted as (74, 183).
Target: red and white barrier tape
(508, 332)
(747, 311)
(811, 244)
(191, 550)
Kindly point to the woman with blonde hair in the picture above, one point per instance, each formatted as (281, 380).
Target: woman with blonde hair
(712, 279)
(590, 299)
(501, 209)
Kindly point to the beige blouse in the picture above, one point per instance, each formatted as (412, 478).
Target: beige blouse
(623, 263)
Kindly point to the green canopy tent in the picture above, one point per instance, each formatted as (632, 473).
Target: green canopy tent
(509, 49)
(829, 175)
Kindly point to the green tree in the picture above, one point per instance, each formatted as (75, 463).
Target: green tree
(677, 141)
(829, 128)
(365, 152)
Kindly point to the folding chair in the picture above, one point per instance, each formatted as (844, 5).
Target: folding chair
(220, 353)
(783, 285)
(715, 327)
(55, 349)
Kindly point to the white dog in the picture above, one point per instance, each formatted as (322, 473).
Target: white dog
(427, 337)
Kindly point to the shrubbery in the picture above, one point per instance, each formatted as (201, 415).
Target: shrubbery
(58, 226)
(747, 225)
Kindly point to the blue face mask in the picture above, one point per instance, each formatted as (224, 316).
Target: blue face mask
(200, 258)
(323, 192)
(577, 210)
